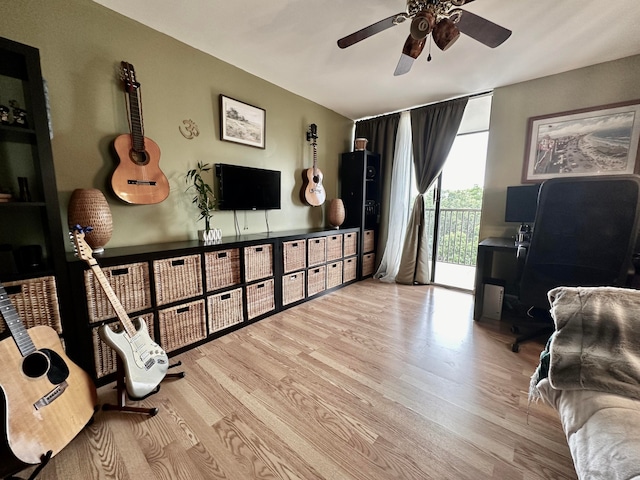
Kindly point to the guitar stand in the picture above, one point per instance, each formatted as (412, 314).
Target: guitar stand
(122, 392)
(44, 460)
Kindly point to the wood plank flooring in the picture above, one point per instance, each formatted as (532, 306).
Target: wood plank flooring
(374, 381)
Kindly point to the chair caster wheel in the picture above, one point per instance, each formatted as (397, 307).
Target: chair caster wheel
(515, 347)
(514, 329)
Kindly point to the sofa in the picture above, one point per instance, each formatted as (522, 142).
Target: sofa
(590, 373)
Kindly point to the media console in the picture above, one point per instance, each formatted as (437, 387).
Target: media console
(190, 293)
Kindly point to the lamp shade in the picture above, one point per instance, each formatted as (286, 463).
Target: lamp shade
(89, 208)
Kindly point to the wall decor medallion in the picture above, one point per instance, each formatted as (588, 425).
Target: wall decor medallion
(587, 142)
(189, 130)
(242, 123)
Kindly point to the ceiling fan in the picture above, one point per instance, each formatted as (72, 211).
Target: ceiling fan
(440, 18)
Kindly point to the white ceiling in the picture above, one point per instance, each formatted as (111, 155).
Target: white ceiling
(292, 43)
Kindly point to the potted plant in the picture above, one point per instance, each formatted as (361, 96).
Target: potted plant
(204, 198)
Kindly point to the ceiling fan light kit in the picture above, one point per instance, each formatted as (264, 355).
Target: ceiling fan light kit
(440, 18)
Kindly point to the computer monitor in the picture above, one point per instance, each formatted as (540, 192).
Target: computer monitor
(522, 201)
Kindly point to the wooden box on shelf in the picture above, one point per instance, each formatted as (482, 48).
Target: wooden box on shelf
(334, 274)
(177, 278)
(294, 255)
(258, 262)
(182, 325)
(350, 244)
(292, 287)
(349, 269)
(222, 268)
(260, 298)
(225, 309)
(317, 248)
(334, 247)
(129, 282)
(368, 242)
(368, 264)
(316, 280)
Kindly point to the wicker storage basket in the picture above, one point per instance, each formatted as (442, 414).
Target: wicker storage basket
(350, 244)
(104, 356)
(349, 269)
(225, 309)
(35, 301)
(295, 255)
(182, 325)
(334, 274)
(368, 264)
(260, 298)
(292, 287)
(223, 268)
(316, 280)
(369, 245)
(334, 247)
(177, 278)
(129, 282)
(258, 262)
(317, 250)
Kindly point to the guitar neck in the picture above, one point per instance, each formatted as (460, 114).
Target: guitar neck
(315, 158)
(16, 327)
(113, 298)
(135, 116)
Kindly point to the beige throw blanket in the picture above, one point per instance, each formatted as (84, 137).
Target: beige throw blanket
(597, 341)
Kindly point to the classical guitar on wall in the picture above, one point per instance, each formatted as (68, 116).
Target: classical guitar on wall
(312, 190)
(145, 362)
(46, 399)
(137, 179)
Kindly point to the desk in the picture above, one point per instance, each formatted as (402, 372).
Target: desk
(486, 249)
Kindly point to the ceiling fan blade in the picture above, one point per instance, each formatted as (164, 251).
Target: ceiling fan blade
(411, 50)
(482, 30)
(371, 30)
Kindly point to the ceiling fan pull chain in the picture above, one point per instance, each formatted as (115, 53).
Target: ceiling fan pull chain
(429, 56)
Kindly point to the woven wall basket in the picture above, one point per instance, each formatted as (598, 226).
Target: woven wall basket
(89, 208)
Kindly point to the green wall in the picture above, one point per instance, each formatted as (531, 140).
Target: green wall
(601, 84)
(81, 45)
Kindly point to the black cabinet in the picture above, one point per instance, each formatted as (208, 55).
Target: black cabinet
(31, 240)
(361, 192)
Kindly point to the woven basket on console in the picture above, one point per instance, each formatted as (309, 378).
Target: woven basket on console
(349, 270)
(225, 309)
(177, 278)
(295, 255)
(182, 325)
(260, 298)
(350, 244)
(223, 268)
(334, 274)
(292, 287)
(317, 248)
(334, 247)
(35, 301)
(258, 262)
(316, 280)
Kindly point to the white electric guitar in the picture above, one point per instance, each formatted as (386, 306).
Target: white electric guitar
(145, 362)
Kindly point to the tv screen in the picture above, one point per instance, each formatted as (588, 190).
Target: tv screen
(247, 188)
(522, 202)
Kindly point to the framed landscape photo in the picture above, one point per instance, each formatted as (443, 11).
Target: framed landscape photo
(242, 123)
(588, 142)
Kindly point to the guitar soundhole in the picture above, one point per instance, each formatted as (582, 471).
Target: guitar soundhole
(316, 179)
(35, 365)
(141, 158)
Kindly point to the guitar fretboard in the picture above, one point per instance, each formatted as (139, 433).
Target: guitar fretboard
(135, 115)
(113, 298)
(15, 325)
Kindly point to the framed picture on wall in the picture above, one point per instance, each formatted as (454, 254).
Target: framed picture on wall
(587, 142)
(242, 123)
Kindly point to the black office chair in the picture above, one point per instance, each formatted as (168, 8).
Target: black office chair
(584, 235)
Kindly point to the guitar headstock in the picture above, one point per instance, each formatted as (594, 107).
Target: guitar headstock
(82, 248)
(128, 76)
(312, 134)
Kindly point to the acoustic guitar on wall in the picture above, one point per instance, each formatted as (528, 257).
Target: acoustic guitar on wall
(137, 179)
(312, 191)
(145, 362)
(46, 399)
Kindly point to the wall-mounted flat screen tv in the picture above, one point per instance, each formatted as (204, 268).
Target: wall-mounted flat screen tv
(522, 202)
(247, 188)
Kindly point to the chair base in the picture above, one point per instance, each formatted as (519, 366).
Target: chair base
(543, 327)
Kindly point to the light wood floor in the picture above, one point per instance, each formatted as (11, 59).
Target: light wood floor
(374, 381)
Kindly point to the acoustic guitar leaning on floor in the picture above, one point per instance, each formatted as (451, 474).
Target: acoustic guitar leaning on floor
(46, 399)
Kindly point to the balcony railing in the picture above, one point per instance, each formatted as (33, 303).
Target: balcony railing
(458, 234)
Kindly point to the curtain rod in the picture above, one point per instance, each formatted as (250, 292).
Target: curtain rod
(474, 95)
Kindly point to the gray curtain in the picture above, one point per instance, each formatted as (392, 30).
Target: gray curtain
(434, 129)
(381, 133)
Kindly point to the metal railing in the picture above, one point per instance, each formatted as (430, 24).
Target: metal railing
(458, 233)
